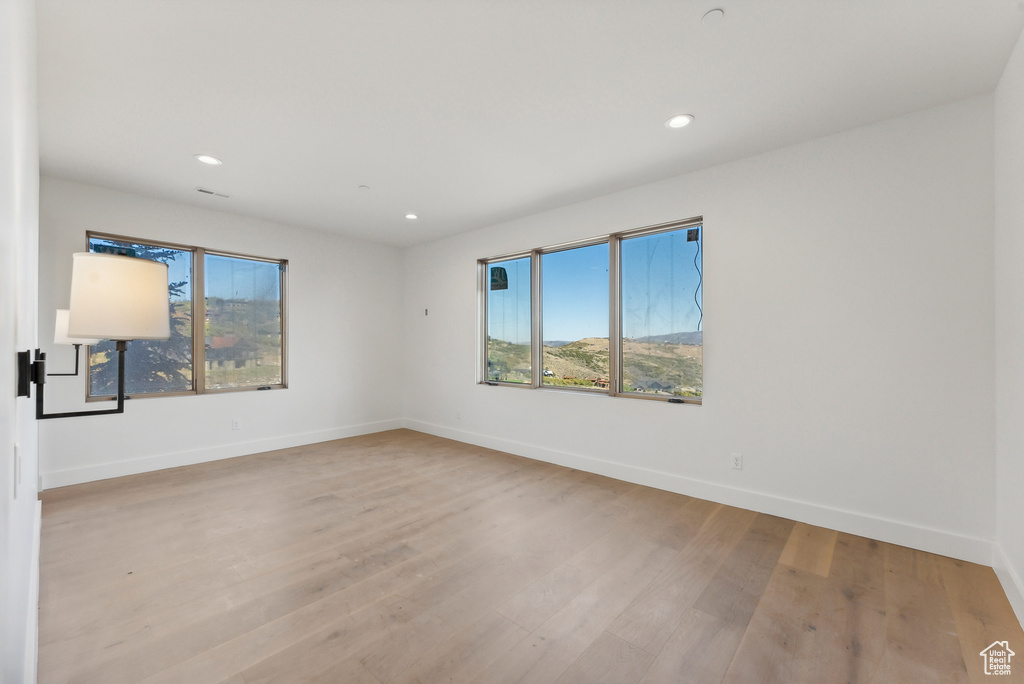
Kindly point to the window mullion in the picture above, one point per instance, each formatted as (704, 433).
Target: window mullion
(536, 326)
(283, 304)
(614, 317)
(199, 321)
(482, 288)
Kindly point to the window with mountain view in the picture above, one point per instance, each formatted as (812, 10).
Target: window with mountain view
(230, 338)
(509, 321)
(621, 314)
(574, 285)
(662, 314)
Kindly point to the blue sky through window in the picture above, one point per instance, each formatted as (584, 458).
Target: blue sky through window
(179, 263)
(662, 291)
(575, 291)
(508, 311)
(236, 278)
(661, 285)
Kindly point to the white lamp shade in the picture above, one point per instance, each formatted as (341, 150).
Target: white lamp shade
(60, 331)
(118, 298)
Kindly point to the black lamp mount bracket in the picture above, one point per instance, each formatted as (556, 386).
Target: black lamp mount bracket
(32, 371)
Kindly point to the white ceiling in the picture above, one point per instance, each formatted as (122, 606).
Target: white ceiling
(471, 112)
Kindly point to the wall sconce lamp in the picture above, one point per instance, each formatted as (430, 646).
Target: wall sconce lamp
(113, 297)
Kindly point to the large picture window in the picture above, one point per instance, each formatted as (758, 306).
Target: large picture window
(231, 338)
(620, 314)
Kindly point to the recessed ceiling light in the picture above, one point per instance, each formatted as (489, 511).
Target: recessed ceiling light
(679, 121)
(411, 217)
(209, 159)
(713, 17)
(364, 187)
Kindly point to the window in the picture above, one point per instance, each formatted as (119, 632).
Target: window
(574, 285)
(662, 342)
(620, 314)
(509, 350)
(243, 322)
(151, 366)
(232, 338)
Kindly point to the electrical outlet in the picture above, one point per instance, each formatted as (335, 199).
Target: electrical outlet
(737, 461)
(236, 424)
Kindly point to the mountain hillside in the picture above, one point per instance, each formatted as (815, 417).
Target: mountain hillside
(657, 365)
(583, 363)
(663, 368)
(674, 338)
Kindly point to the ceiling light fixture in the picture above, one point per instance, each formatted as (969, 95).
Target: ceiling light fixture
(209, 159)
(411, 217)
(679, 120)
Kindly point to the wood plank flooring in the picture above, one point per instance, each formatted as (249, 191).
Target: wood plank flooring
(398, 558)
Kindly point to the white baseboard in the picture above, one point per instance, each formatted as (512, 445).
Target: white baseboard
(1010, 579)
(104, 471)
(973, 549)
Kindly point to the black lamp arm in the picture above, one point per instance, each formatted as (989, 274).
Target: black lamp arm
(78, 347)
(33, 372)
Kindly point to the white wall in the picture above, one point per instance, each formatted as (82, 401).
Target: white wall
(1009, 283)
(344, 339)
(848, 313)
(19, 201)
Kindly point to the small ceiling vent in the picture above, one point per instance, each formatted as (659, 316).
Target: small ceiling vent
(211, 192)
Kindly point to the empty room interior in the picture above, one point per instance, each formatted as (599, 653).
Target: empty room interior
(428, 400)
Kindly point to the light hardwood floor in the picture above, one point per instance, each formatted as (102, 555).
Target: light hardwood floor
(400, 557)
